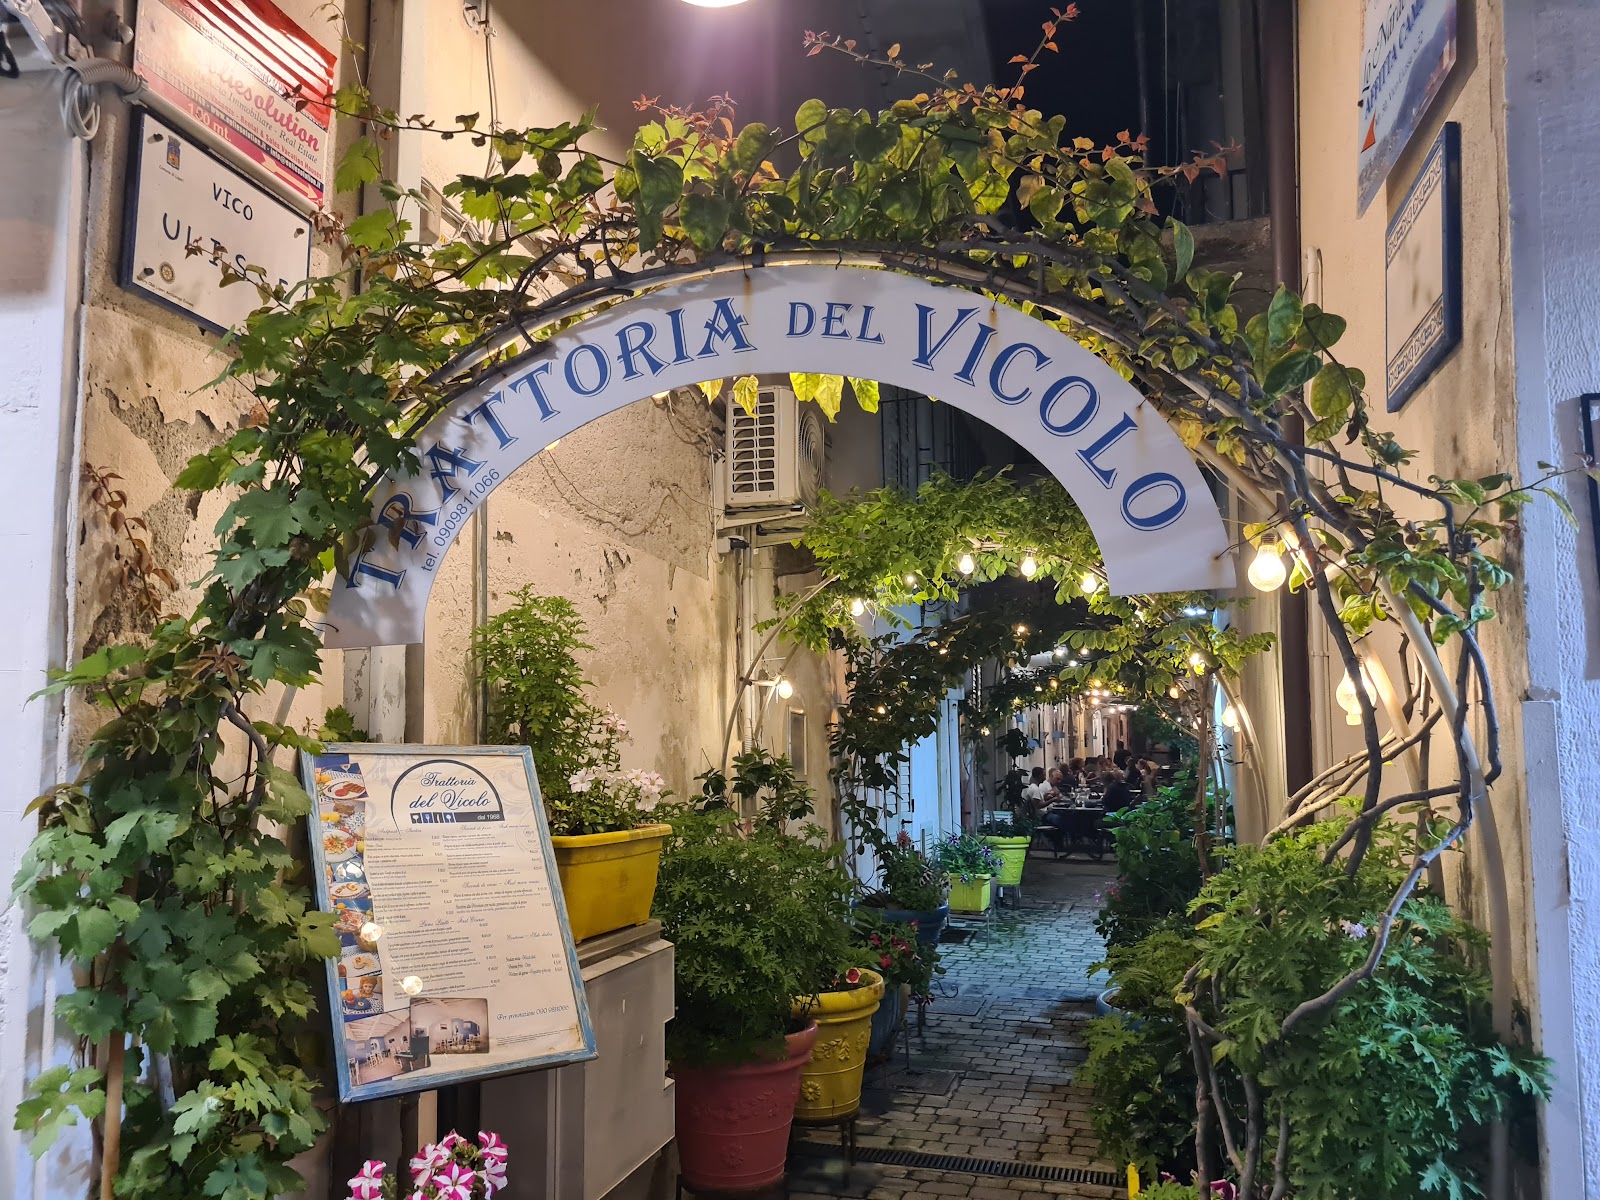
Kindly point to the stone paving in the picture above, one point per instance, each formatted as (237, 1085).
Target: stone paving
(991, 1073)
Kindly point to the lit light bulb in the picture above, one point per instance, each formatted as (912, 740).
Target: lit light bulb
(1230, 717)
(882, 711)
(1083, 653)
(858, 607)
(1055, 683)
(370, 932)
(1267, 572)
(1022, 631)
(985, 731)
(1095, 683)
(1060, 652)
(967, 565)
(1345, 696)
(785, 688)
(1029, 566)
(911, 580)
(411, 985)
(1090, 584)
(1095, 700)
(1175, 692)
(1197, 663)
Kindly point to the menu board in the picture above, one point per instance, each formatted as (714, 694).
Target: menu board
(457, 962)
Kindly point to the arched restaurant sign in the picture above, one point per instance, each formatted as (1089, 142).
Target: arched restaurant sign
(1144, 497)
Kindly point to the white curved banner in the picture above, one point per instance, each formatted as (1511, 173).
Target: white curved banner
(1138, 486)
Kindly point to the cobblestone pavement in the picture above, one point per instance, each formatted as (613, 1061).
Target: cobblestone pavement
(991, 1073)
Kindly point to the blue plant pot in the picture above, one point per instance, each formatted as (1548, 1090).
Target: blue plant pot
(886, 1023)
(930, 924)
(1104, 1004)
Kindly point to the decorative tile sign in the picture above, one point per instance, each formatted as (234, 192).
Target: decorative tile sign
(457, 960)
(188, 214)
(235, 68)
(1408, 50)
(1422, 278)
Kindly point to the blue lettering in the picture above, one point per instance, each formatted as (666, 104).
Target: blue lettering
(1072, 383)
(997, 373)
(979, 345)
(865, 334)
(680, 352)
(796, 307)
(725, 325)
(926, 349)
(359, 566)
(602, 366)
(486, 411)
(1106, 440)
(1150, 483)
(629, 348)
(398, 515)
(529, 384)
(447, 464)
(833, 320)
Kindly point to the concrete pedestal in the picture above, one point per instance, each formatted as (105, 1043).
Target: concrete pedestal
(595, 1129)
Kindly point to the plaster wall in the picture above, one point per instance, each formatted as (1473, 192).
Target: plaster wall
(1523, 92)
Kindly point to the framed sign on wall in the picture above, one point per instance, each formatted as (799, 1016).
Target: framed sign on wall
(1408, 51)
(188, 214)
(1422, 274)
(237, 68)
(457, 961)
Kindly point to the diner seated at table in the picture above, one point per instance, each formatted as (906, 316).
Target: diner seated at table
(1118, 793)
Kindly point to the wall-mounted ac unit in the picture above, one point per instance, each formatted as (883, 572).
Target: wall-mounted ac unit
(775, 459)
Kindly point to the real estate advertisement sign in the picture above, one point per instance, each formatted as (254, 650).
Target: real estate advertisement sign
(1408, 50)
(189, 215)
(236, 67)
(457, 960)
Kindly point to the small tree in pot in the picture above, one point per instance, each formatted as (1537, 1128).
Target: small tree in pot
(757, 919)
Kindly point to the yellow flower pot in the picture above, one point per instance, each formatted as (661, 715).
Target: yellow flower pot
(609, 879)
(830, 1087)
(1013, 852)
(973, 897)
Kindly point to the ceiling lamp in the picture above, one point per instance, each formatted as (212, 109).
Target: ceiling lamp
(1267, 572)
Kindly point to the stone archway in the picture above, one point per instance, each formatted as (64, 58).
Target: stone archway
(1137, 483)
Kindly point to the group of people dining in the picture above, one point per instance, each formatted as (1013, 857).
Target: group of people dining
(1116, 782)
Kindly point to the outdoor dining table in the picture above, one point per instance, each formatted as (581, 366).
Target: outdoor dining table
(1082, 826)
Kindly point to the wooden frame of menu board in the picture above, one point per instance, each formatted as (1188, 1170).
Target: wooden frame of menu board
(456, 961)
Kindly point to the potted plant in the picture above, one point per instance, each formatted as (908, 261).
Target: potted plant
(830, 1083)
(910, 889)
(607, 850)
(449, 1169)
(756, 918)
(892, 949)
(971, 867)
(1010, 837)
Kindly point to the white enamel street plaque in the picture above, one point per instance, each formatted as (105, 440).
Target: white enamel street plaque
(1138, 486)
(181, 195)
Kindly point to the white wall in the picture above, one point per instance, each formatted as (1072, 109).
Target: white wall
(41, 288)
(1553, 137)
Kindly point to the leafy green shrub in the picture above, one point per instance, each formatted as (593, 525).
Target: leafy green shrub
(907, 880)
(756, 919)
(962, 856)
(1139, 1065)
(763, 780)
(1388, 1091)
(1017, 824)
(1158, 867)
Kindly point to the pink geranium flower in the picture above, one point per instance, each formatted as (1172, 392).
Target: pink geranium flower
(455, 1182)
(368, 1184)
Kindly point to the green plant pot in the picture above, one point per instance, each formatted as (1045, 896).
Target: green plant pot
(973, 897)
(1013, 852)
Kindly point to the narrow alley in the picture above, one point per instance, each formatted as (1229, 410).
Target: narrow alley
(987, 1107)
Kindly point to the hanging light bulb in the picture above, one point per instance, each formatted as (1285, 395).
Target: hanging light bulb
(1029, 566)
(858, 607)
(911, 580)
(1230, 717)
(1095, 700)
(1346, 698)
(1022, 631)
(1060, 652)
(785, 688)
(967, 565)
(985, 731)
(1055, 683)
(1267, 572)
(1094, 683)
(1197, 663)
(882, 711)
(1090, 584)
(1084, 653)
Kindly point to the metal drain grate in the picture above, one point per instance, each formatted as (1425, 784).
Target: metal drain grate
(955, 1164)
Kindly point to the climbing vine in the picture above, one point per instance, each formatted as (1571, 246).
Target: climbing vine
(162, 874)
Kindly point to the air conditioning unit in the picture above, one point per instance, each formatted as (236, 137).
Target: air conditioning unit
(776, 457)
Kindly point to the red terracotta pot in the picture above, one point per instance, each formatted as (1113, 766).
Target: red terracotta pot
(733, 1122)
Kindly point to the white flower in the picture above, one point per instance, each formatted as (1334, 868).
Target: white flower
(1354, 929)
